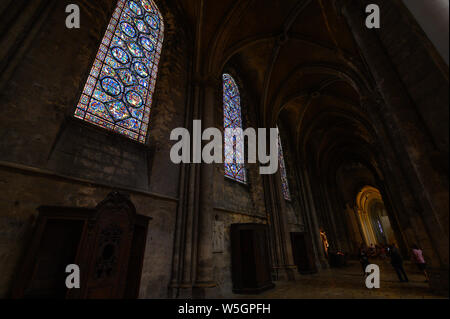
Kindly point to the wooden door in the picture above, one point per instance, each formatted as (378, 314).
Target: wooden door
(302, 253)
(262, 268)
(53, 246)
(251, 270)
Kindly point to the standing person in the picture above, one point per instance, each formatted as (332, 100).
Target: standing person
(382, 252)
(371, 252)
(419, 260)
(363, 258)
(397, 263)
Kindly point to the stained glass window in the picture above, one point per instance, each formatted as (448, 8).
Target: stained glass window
(233, 120)
(119, 90)
(284, 181)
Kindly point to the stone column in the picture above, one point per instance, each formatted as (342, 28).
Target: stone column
(193, 265)
(204, 280)
(314, 220)
(334, 227)
(185, 247)
(308, 211)
(406, 129)
(285, 267)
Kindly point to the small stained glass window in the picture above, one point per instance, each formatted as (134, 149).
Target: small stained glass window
(284, 180)
(119, 90)
(233, 120)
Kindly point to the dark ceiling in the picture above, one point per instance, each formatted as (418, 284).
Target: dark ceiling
(300, 60)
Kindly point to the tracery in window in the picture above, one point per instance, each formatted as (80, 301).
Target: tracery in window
(233, 120)
(284, 180)
(119, 90)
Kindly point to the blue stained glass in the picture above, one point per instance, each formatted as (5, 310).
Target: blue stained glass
(98, 108)
(147, 44)
(109, 71)
(130, 124)
(128, 29)
(152, 21)
(120, 55)
(135, 50)
(111, 86)
(141, 69)
(284, 180)
(142, 26)
(102, 96)
(137, 113)
(111, 62)
(135, 8)
(119, 91)
(134, 99)
(147, 6)
(126, 76)
(118, 110)
(233, 119)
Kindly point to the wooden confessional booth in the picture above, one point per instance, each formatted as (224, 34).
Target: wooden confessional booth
(107, 243)
(303, 253)
(251, 266)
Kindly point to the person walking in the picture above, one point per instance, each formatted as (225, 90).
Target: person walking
(418, 259)
(363, 258)
(397, 263)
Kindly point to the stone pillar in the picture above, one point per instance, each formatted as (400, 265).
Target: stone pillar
(185, 246)
(335, 229)
(204, 280)
(413, 146)
(323, 262)
(284, 267)
(308, 211)
(193, 265)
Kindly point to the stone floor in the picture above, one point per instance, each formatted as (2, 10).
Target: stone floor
(348, 283)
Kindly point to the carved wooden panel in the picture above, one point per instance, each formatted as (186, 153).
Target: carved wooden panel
(107, 243)
(105, 249)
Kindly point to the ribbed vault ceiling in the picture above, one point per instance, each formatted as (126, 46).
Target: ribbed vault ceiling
(299, 59)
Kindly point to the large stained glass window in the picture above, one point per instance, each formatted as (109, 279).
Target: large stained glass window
(233, 120)
(118, 93)
(284, 181)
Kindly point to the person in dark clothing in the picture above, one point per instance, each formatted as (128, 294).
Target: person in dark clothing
(397, 263)
(363, 258)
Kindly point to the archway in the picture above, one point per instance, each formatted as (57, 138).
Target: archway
(373, 218)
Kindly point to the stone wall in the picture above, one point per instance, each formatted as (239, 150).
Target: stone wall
(425, 76)
(235, 202)
(49, 158)
(420, 68)
(24, 189)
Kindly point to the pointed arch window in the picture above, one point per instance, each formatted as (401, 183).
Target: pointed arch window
(233, 120)
(119, 91)
(284, 180)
